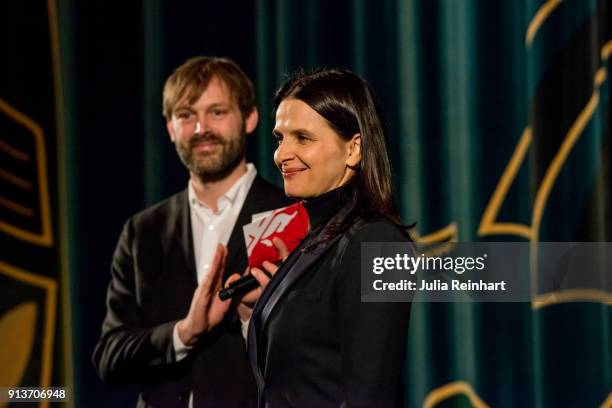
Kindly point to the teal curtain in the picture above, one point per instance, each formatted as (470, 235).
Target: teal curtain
(467, 86)
(498, 117)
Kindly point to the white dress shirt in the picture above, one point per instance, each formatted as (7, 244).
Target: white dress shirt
(210, 228)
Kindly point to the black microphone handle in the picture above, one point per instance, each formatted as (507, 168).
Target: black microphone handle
(239, 287)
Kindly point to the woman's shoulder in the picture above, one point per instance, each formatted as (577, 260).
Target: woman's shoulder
(377, 228)
(374, 229)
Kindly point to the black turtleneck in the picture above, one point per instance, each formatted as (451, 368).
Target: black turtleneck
(322, 209)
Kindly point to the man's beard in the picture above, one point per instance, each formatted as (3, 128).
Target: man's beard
(212, 166)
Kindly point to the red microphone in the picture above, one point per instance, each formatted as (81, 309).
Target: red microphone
(290, 224)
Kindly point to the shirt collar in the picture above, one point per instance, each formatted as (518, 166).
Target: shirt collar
(230, 195)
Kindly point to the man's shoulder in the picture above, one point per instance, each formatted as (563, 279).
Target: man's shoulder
(260, 184)
(263, 191)
(161, 210)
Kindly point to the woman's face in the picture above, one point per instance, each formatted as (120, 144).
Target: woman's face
(311, 156)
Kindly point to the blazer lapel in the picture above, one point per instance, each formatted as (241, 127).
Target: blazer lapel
(179, 227)
(291, 270)
(278, 278)
(255, 324)
(235, 246)
(299, 268)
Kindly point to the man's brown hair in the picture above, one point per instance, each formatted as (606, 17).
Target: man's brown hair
(191, 79)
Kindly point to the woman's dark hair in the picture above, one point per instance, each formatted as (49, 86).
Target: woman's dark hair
(348, 104)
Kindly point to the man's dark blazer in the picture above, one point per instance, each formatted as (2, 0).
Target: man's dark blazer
(313, 343)
(153, 281)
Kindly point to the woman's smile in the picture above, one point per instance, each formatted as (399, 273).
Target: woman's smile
(292, 171)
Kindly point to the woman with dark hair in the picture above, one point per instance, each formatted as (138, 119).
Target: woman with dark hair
(312, 342)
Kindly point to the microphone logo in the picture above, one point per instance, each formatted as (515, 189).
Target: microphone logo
(290, 224)
(267, 226)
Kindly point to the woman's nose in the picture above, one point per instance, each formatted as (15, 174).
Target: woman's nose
(283, 153)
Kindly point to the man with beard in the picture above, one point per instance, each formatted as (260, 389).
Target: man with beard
(165, 327)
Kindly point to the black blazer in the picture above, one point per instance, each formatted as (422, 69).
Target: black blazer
(153, 277)
(313, 343)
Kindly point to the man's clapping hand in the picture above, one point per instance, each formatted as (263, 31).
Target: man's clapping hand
(206, 310)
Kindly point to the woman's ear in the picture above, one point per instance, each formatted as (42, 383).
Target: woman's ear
(354, 151)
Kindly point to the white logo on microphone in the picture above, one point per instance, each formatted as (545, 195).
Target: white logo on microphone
(260, 231)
